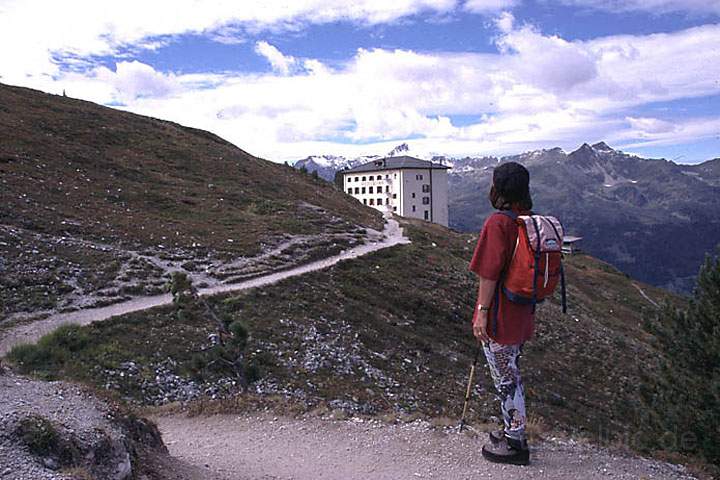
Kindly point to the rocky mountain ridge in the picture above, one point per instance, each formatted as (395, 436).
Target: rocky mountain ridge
(653, 219)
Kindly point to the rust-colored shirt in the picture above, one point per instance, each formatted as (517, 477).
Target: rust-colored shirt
(515, 322)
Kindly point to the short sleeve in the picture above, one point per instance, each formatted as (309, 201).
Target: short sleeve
(493, 247)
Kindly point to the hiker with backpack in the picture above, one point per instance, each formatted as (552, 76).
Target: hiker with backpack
(518, 261)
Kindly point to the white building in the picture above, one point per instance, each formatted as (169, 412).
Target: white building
(570, 244)
(407, 186)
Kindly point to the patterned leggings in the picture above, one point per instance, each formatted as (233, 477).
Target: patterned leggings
(503, 363)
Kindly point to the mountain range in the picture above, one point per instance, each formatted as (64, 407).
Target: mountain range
(654, 219)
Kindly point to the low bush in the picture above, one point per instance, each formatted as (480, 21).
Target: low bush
(52, 351)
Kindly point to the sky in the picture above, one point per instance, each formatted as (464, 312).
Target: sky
(285, 79)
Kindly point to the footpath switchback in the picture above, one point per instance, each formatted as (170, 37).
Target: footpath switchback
(30, 332)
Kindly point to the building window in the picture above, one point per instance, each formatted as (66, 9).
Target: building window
(350, 191)
(357, 179)
(413, 195)
(364, 201)
(387, 189)
(379, 201)
(413, 208)
(394, 195)
(395, 175)
(394, 209)
(426, 188)
(371, 202)
(418, 177)
(357, 190)
(370, 189)
(363, 189)
(426, 200)
(427, 215)
(387, 177)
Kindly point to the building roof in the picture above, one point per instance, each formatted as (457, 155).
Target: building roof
(571, 239)
(395, 163)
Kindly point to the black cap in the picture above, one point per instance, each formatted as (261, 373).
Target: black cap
(512, 181)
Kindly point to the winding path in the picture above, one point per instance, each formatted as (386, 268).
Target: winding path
(645, 295)
(28, 333)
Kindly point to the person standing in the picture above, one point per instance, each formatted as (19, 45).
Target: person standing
(501, 325)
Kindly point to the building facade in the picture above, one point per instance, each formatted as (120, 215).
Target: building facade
(407, 186)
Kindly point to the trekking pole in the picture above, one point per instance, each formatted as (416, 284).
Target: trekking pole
(469, 386)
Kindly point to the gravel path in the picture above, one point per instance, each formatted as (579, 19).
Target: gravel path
(252, 447)
(27, 333)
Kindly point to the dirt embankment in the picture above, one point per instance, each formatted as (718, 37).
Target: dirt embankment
(59, 431)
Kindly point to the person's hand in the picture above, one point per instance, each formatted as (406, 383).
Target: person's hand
(480, 326)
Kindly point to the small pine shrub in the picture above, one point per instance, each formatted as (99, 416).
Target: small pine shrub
(181, 288)
(39, 435)
(239, 334)
(252, 373)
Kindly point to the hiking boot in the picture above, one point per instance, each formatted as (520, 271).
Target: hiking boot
(497, 436)
(509, 451)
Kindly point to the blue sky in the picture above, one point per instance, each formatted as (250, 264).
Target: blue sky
(284, 80)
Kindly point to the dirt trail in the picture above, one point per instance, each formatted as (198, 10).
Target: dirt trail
(28, 333)
(645, 295)
(251, 447)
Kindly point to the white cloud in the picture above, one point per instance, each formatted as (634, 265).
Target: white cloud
(279, 62)
(646, 132)
(651, 6)
(644, 126)
(538, 90)
(505, 22)
(489, 6)
(133, 80)
(550, 63)
(45, 34)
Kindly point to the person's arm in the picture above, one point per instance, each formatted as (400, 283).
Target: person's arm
(486, 290)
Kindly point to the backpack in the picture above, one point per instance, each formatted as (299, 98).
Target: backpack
(535, 267)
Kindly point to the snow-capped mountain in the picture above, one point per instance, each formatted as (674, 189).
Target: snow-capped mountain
(328, 165)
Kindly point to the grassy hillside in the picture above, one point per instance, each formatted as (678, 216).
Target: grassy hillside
(76, 167)
(83, 188)
(388, 332)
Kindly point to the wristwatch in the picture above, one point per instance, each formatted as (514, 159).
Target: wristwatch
(483, 308)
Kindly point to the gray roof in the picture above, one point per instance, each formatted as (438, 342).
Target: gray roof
(395, 163)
